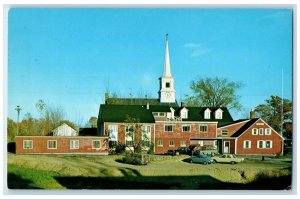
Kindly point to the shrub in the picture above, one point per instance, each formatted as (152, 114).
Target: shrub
(120, 148)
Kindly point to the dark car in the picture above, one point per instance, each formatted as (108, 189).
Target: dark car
(184, 150)
(203, 159)
(172, 152)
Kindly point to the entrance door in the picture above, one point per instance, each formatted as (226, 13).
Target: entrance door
(226, 146)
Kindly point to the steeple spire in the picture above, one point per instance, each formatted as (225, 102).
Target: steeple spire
(167, 68)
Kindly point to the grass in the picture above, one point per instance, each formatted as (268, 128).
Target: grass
(164, 172)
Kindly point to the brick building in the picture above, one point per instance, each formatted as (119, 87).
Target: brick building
(170, 126)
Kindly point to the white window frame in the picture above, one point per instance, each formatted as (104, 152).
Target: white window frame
(160, 143)
(161, 114)
(170, 144)
(113, 129)
(219, 114)
(76, 145)
(226, 133)
(183, 143)
(51, 141)
(93, 141)
(147, 131)
(203, 125)
(266, 131)
(263, 144)
(168, 125)
(186, 125)
(24, 141)
(207, 114)
(245, 144)
(261, 131)
(271, 144)
(253, 131)
(155, 114)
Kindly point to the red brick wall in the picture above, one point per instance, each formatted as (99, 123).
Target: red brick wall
(247, 135)
(231, 129)
(177, 135)
(40, 145)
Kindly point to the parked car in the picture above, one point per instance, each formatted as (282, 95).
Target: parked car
(184, 150)
(228, 158)
(203, 159)
(172, 152)
(136, 159)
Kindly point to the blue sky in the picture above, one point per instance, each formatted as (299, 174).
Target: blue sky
(69, 57)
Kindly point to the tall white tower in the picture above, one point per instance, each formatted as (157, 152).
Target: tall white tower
(167, 91)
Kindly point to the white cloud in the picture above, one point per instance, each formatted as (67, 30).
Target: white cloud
(200, 52)
(191, 45)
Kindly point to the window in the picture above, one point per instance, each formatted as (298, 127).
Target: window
(113, 132)
(167, 84)
(160, 143)
(155, 114)
(182, 143)
(27, 144)
(247, 144)
(183, 115)
(207, 114)
(169, 128)
(268, 144)
(52, 144)
(129, 143)
(261, 131)
(219, 114)
(254, 131)
(203, 127)
(186, 128)
(161, 114)
(74, 144)
(146, 135)
(96, 144)
(260, 144)
(224, 132)
(268, 131)
(171, 143)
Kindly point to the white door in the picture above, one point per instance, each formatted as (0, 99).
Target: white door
(226, 146)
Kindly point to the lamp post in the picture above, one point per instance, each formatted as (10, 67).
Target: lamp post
(18, 109)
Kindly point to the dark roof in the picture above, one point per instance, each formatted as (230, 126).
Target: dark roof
(137, 101)
(88, 132)
(244, 127)
(117, 113)
(234, 122)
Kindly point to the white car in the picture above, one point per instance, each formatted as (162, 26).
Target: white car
(228, 158)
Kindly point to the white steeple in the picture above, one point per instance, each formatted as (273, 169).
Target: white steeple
(167, 91)
(167, 69)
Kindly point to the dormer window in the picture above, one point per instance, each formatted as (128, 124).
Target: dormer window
(219, 114)
(207, 113)
(184, 113)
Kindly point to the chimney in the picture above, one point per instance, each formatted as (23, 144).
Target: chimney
(252, 114)
(147, 106)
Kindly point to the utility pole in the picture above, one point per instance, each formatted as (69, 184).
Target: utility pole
(18, 109)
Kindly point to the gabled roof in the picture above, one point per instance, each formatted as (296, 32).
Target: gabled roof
(234, 122)
(138, 101)
(117, 113)
(244, 127)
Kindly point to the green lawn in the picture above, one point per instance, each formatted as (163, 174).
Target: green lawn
(164, 172)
